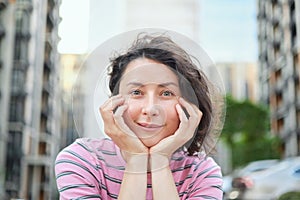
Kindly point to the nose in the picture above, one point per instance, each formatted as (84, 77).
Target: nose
(150, 106)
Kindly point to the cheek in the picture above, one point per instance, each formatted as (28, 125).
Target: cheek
(134, 109)
(171, 113)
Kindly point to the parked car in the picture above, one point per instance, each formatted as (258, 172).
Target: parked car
(227, 186)
(270, 183)
(233, 178)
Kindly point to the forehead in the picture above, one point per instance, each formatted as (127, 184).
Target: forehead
(148, 71)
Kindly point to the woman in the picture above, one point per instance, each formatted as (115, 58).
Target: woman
(158, 120)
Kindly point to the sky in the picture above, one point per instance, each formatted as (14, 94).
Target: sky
(74, 27)
(228, 28)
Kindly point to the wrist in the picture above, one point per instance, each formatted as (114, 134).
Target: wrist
(158, 161)
(135, 162)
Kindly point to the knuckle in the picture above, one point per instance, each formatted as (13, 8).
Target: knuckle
(108, 131)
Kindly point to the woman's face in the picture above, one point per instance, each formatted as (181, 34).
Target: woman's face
(151, 90)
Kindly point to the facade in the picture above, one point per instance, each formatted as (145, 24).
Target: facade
(7, 28)
(279, 66)
(30, 128)
(240, 80)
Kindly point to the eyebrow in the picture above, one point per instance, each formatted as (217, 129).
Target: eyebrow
(160, 85)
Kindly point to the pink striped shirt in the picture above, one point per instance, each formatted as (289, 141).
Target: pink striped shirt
(93, 169)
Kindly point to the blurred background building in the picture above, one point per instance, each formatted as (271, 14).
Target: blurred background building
(7, 29)
(279, 66)
(30, 98)
(240, 79)
(71, 97)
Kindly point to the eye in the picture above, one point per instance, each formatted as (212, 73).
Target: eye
(168, 93)
(136, 93)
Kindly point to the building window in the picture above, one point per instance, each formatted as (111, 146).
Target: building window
(22, 35)
(13, 162)
(18, 81)
(16, 113)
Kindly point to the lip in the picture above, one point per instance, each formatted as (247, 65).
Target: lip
(149, 126)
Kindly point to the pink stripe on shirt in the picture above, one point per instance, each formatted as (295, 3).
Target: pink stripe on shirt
(93, 169)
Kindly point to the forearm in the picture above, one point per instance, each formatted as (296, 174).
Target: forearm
(134, 182)
(162, 179)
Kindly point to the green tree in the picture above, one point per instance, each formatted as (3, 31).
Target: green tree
(246, 132)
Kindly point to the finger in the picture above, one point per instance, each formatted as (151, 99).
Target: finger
(181, 114)
(187, 105)
(194, 113)
(132, 143)
(183, 120)
(107, 102)
(119, 120)
(111, 105)
(186, 127)
(106, 111)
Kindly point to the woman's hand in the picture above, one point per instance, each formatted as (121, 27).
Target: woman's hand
(114, 126)
(162, 151)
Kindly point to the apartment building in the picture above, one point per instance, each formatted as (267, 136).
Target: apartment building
(30, 98)
(279, 67)
(7, 29)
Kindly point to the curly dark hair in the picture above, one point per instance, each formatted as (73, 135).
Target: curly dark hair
(163, 50)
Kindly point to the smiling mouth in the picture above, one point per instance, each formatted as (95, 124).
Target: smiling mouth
(150, 126)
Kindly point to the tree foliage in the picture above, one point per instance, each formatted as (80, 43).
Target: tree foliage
(246, 131)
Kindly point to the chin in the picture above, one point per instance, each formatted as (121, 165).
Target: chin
(149, 142)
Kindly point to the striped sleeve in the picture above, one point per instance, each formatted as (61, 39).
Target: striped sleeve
(76, 174)
(207, 182)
